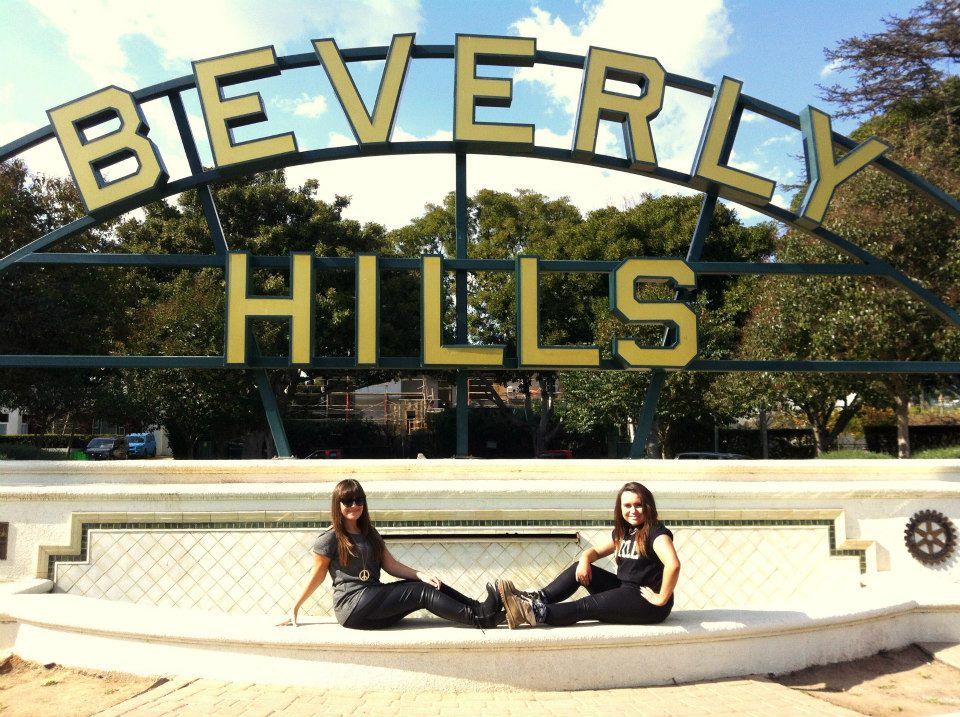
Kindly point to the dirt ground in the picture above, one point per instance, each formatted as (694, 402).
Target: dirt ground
(902, 683)
(31, 690)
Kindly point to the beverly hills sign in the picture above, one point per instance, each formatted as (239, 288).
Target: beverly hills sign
(89, 158)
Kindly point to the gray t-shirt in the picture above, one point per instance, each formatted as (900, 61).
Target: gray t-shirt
(347, 585)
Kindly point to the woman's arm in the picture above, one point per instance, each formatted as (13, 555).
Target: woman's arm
(321, 564)
(398, 570)
(584, 571)
(663, 547)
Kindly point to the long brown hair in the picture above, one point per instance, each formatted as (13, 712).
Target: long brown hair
(621, 528)
(350, 489)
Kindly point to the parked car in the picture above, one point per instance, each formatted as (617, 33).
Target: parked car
(557, 453)
(106, 448)
(711, 456)
(326, 453)
(142, 445)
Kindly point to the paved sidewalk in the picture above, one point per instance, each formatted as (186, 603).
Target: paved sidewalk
(744, 697)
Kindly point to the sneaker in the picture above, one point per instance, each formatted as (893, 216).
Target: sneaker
(534, 610)
(511, 603)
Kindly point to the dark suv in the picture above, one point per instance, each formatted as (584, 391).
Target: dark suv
(106, 448)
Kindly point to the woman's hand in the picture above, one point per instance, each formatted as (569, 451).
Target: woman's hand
(653, 597)
(429, 579)
(292, 620)
(663, 547)
(584, 571)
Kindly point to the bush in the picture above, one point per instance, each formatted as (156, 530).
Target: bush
(17, 452)
(782, 442)
(883, 439)
(944, 452)
(47, 440)
(853, 453)
(357, 438)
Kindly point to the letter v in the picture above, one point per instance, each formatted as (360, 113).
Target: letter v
(367, 129)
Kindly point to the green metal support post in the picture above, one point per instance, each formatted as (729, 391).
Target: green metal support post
(269, 400)
(463, 378)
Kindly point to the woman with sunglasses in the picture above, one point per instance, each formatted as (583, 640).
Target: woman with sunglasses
(641, 593)
(353, 553)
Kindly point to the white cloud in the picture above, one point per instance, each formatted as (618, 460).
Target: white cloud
(780, 200)
(46, 158)
(311, 107)
(781, 139)
(830, 68)
(392, 190)
(303, 106)
(337, 139)
(698, 38)
(98, 33)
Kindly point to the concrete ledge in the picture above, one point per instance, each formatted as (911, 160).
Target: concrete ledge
(428, 654)
(168, 472)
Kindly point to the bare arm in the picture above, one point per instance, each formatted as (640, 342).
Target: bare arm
(584, 571)
(663, 547)
(398, 570)
(321, 564)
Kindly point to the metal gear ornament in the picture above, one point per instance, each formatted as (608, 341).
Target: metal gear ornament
(930, 537)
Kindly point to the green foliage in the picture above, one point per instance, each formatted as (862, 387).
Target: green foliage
(907, 61)
(852, 454)
(180, 312)
(45, 309)
(945, 452)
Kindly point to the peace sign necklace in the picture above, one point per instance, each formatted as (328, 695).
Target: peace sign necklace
(364, 573)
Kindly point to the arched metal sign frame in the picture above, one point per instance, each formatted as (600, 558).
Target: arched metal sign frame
(863, 263)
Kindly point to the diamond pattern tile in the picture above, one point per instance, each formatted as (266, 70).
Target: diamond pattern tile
(263, 571)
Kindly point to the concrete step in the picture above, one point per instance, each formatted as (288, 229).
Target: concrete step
(431, 654)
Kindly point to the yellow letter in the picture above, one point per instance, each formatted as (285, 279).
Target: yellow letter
(367, 129)
(824, 173)
(223, 115)
(472, 91)
(433, 352)
(623, 302)
(368, 310)
(707, 164)
(297, 307)
(634, 112)
(529, 351)
(88, 158)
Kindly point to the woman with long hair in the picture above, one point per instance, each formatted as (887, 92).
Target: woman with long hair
(353, 553)
(641, 593)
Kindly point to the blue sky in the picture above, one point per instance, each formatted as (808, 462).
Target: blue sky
(57, 50)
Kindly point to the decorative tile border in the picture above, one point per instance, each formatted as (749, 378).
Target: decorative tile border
(416, 525)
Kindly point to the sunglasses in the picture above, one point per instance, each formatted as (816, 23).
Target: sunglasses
(352, 502)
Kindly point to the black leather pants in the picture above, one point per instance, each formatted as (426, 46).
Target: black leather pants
(609, 601)
(388, 603)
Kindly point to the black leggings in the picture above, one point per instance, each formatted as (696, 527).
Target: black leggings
(610, 601)
(386, 604)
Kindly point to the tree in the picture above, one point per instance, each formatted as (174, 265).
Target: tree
(181, 311)
(663, 226)
(48, 309)
(875, 319)
(907, 62)
(501, 226)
